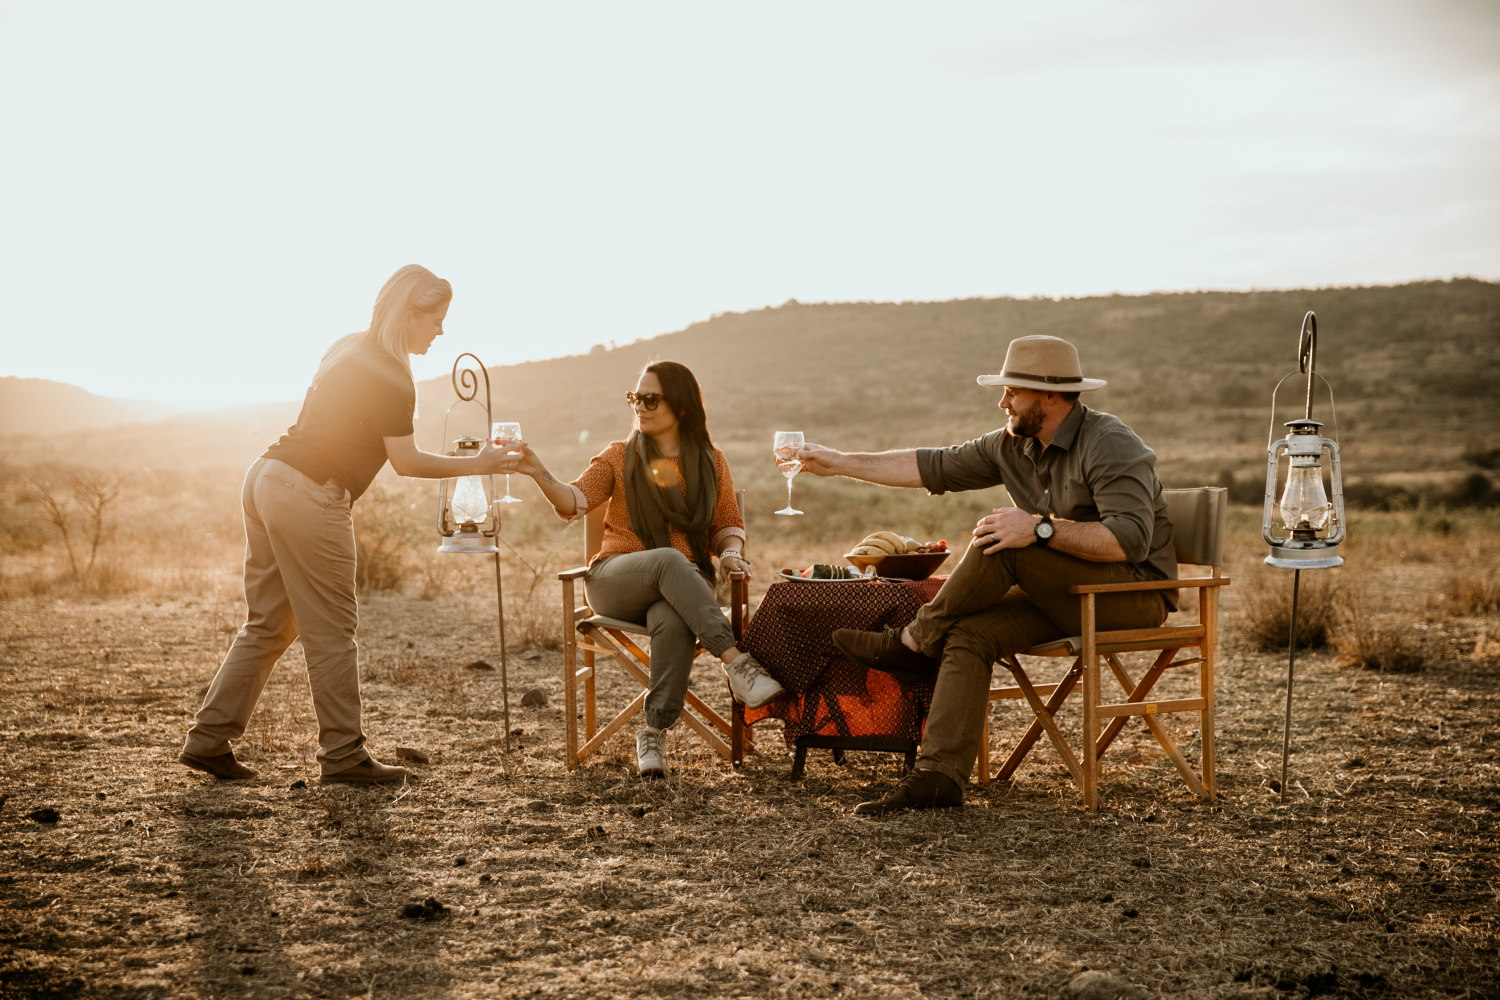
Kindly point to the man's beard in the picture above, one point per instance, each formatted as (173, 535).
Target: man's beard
(1028, 422)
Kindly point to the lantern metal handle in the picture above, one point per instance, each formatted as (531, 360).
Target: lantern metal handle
(1307, 358)
(466, 383)
(1307, 354)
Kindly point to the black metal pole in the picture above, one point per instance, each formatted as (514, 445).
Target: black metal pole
(1291, 670)
(504, 663)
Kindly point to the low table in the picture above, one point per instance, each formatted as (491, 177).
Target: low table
(831, 701)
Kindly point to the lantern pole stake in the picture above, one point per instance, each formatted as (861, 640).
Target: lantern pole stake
(1307, 356)
(500, 624)
(1291, 669)
(466, 386)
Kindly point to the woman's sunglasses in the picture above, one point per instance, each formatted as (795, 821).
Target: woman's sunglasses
(650, 400)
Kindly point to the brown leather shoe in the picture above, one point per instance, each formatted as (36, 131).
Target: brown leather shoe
(368, 772)
(885, 651)
(222, 766)
(918, 790)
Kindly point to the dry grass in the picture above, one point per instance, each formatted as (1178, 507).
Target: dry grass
(1474, 590)
(500, 874)
(1266, 610)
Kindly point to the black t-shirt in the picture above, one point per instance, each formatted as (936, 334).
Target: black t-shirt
(346, 415)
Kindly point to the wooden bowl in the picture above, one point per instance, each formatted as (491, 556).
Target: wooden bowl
(908, 566)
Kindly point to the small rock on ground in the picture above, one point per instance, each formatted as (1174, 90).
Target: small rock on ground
(1095, 985)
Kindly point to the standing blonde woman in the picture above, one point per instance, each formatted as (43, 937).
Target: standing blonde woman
(299, 532)
(671, 508)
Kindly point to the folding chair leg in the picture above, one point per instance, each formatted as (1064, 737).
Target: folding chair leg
(1090, 658)
(1136, 691)
(1044, 721)
(597, 740)
(1060, 694)
(1170, 747)
(1133, 691)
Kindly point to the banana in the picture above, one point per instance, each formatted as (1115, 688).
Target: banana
(909, 544)
(898, 544)
(863, 549)
(881, 544)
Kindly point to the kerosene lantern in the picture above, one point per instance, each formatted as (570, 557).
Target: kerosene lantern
(1310, 525)
(1304, 521)
(468, 517)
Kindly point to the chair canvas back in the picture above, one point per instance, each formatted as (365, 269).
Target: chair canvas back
(1198, 517)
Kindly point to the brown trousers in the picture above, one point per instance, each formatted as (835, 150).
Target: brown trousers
(1000, 604)
(299, 581)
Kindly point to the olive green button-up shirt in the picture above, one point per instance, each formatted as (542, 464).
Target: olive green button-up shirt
(1095, 469)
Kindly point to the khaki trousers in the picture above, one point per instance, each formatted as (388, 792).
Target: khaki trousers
(1000, 604)
(663, 589)
(299, 581)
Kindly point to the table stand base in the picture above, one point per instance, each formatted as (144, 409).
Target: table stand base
(838, 744)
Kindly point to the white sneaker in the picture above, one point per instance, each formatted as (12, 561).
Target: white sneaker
(650, 753)
(750, 683)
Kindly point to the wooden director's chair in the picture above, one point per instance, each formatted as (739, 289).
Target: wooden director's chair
(587, 636)
(1198, 517)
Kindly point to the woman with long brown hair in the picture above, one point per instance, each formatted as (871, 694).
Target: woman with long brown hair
(671, 509)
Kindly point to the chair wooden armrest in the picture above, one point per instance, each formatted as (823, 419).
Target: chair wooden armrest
(1148, 585)
(576, 573)
(1143, 585)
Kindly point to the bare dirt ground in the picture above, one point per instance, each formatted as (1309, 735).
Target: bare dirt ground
(500, 874)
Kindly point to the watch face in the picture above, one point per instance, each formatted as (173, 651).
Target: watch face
(1044, 529)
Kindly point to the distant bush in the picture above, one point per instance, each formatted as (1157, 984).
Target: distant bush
(1483, 456)
(1265, 616)
(1361, 642)
(1475, 490)
(383, 541)
(1473, 591)
(1249, 490)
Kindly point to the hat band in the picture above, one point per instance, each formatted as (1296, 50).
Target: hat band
(1053, 379)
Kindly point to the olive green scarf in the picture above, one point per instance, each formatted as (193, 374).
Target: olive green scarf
(656, 501)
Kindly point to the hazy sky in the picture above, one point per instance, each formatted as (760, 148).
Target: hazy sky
(198, 197)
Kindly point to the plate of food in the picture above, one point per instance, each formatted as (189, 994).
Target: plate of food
(823, 573)
(898, 557)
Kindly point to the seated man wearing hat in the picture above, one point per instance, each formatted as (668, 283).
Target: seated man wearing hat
(1088, 509)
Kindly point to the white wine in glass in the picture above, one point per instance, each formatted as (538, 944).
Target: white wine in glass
(786, 446)
(503, 434)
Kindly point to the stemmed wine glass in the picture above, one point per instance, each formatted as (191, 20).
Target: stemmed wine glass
(786, 446)
(503, 434)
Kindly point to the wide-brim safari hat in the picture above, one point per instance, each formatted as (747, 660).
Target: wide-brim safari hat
(1049, 364)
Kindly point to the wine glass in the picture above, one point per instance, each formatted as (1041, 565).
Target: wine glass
(786, 446)
(503, 434)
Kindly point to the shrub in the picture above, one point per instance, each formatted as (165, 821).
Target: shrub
(1361, 642)
(1474, 591)
(382, 539)
(1266, 611)
(1475, 490)
(1482, 456)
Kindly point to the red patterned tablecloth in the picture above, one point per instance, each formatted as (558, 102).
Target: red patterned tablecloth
(829, 694)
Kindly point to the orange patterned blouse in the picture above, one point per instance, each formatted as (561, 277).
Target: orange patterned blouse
(604, 481)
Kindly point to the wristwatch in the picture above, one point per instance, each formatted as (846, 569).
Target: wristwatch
(1045, 529)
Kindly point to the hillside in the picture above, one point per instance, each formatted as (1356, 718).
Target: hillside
(1413, 369)
(40, 406)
